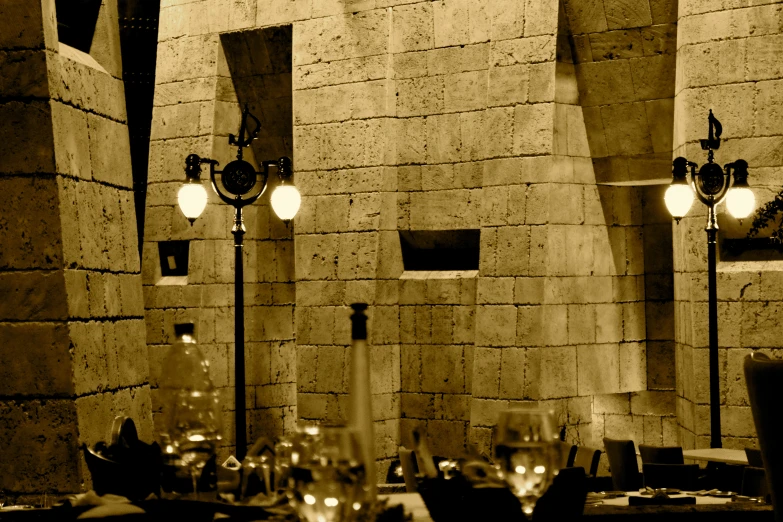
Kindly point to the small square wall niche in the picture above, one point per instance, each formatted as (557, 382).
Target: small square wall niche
(174, 257)
(440, 250)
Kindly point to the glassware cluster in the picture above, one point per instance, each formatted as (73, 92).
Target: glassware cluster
(191, 406)
(327, 481)
(526, 453)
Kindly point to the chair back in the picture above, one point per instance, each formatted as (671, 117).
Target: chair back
(661, 454)
(754, 482)
(623, 465)
(754, 457)
(587, 458)
(764, 379)
(567, 454)
(408, 469)
(680, 476)
(565, 498)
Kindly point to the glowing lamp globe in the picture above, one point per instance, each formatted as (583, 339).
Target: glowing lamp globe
(740, 201)
(285, 201)
(192, 200)
(678, 198)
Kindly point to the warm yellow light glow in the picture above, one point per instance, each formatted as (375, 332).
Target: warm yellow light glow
(309, 499)
(192, 199)
(331, 501)
(357, 506)
(285, 201)
(740, 201)
(539, 470)
(520, 470)
(678, 198)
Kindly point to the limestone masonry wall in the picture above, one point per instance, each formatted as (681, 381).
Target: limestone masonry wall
(445, 115)
(71, 321)
(727, 61)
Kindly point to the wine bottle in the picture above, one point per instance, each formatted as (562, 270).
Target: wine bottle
(361, 394)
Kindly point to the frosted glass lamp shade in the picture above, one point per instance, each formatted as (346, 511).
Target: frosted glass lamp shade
(740, 201)
(285, 201)
(192, 200)
(678, 198)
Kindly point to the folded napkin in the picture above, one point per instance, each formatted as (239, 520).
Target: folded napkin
(661, 501)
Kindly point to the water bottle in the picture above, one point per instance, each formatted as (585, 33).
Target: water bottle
(191, 427)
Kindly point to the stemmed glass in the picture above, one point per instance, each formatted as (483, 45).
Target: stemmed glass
(327, 475)
(525, 452)
(195, 430)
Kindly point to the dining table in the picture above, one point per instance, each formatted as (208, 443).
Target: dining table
(707, 509)
(722, 455)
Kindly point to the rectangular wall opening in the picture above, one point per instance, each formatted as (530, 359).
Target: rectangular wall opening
(440, 249)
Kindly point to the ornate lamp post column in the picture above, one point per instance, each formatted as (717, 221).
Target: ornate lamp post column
(239, 185)
(712, 185)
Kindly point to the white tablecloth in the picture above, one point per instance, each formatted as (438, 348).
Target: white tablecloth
(623, 501)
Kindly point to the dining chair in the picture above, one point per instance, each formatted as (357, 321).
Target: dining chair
(623, 465)
(408, 465)
(764, 379)
(587, 458)
(754, 457)
(567, 454)
(565, 498)
(679, 476)
(754, 482)
(661, 454)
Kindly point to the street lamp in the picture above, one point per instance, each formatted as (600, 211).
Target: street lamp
(239, 185)
(712, 185)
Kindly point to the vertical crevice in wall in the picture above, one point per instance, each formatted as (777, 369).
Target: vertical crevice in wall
(138, 42)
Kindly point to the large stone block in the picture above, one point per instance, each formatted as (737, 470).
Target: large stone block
(41, 452)
(35, 359)
(444, 369)
(23, 74)
(533, 129)
(413, 28)
(599, 369)
(586, 16)
(551, 372)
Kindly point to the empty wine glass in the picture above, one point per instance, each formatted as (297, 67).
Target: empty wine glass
(525, 452)
(195, 430)
(327, 476)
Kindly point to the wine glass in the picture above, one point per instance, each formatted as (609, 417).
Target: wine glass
(327, 476)
(195, 430)
(525, 452)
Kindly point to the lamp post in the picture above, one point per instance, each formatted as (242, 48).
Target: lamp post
(712, 185)
(239, 185)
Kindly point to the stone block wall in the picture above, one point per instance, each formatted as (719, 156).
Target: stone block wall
(71, 324)
(198, 103)
(420, 115)
(725, 63)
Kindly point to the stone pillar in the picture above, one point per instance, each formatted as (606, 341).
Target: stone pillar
(71, 324)
(728, 62)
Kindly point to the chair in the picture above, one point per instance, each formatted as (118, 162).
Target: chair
(567, 454)
(754, 482)
(587, 458)
(754, 457)
(764, 379)
(565, 498)
(680, 476)
(661, 454)
(408, 465)
(623, 465)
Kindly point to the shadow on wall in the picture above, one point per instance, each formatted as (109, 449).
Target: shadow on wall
(260, 64)
(257, 73)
